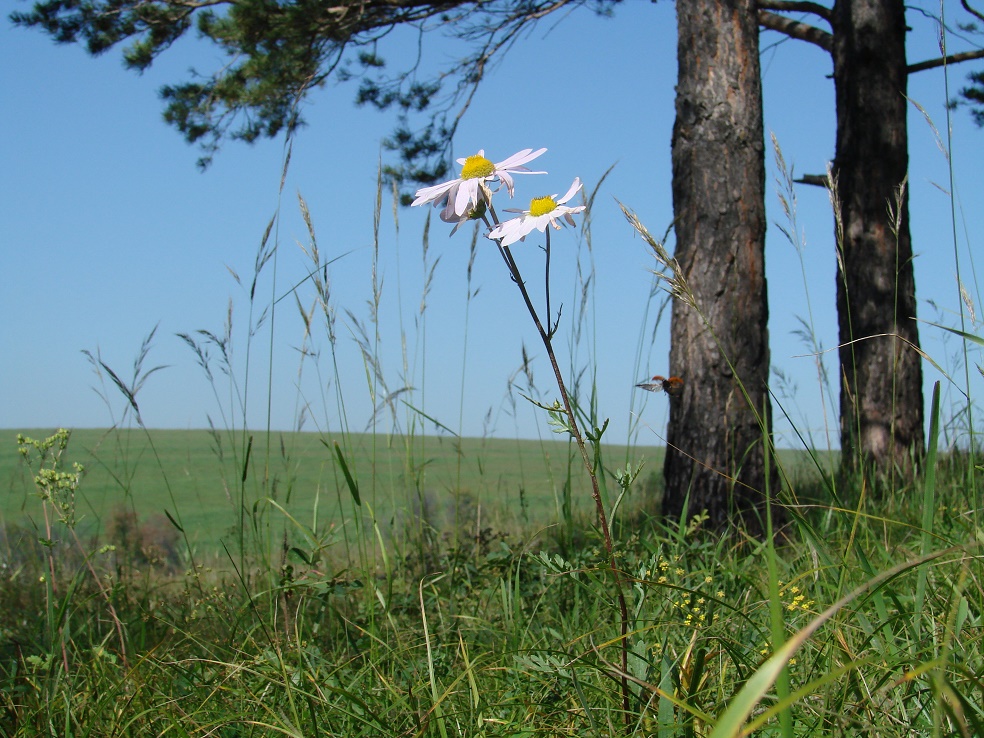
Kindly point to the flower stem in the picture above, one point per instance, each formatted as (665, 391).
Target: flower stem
(546, 336)
(546, 278)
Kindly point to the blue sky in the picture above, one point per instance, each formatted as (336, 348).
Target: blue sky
(110, 229)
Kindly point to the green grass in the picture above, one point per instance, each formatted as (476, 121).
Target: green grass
(875, 620)
(872, 616)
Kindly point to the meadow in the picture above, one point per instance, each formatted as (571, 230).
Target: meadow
(492, 616)
(227, 583)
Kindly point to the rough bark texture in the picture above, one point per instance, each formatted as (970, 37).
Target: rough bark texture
(881, 375)
(715, 453)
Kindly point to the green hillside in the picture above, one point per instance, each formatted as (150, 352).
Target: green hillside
(196, 477)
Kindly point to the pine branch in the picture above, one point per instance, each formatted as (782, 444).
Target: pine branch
(282, 50)
(796, 29)
(818, 180)
(790, 6)
(945, 61)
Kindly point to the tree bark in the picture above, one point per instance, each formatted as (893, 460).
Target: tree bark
(714, 459)
(881, 372)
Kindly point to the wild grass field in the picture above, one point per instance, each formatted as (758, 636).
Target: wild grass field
(866, 621)
(221, 583)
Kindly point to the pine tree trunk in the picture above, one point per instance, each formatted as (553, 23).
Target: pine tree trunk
(715, 450)
(881, 374)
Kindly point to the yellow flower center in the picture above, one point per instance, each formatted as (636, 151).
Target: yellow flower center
(541, 206)
(477, 166)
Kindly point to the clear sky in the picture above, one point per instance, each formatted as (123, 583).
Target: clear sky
(110, 230)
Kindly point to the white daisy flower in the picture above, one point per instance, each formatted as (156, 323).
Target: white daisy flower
(461, 196)
(543, 211)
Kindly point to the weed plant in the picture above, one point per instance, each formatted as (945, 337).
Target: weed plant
(365, 612)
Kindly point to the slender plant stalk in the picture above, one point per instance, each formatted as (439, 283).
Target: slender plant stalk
(546, 336)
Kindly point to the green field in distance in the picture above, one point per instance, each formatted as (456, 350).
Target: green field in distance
(196, 476)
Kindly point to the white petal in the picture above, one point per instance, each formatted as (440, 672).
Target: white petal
(511, 231)
(513, 237)
(519, 158)
(507, 180)
(575, 186)
(466, 197)
(448, 215)
(435, 192)
(500, 229)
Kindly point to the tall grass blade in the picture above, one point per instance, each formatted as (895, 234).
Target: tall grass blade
(436, 709)
(173, 521)
(963, 334)
(777, 622)
(928, 509)
(353, 485)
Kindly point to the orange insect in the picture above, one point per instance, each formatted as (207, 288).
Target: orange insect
(673, 386)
